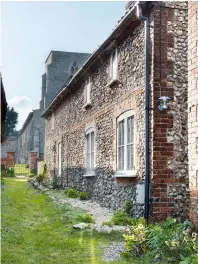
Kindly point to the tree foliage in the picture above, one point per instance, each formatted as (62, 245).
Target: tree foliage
(11, 121)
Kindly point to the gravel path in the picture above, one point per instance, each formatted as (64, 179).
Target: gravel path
(100, 214)
(113, 251)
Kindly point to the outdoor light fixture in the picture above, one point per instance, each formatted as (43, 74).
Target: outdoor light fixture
(164, 100)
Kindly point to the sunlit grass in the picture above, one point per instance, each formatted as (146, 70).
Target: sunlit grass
(36, 231)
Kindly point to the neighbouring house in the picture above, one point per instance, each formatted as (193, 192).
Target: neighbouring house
(59, 68)
(9, 150)
(31, 138)
(193, 106)
(3, 109)
(118, 128)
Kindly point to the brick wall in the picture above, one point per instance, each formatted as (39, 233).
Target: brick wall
(33, 160)
(8, 161)
(169, 174)
(193, 106)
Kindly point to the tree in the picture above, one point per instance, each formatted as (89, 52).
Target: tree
(11, 121)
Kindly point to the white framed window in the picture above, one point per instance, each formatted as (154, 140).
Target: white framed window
(87, 93)
(52, 120)
(59, 158)
(125, 145)
(90, 152)
(113, 65)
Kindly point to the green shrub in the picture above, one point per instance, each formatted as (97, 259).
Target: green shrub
(31, 175)
(71, 193)
(40, 178)
(121, 218)
(171, 242)
(34, 171)
(7, 172)
(127, 206)
(108, 223)
(3, 167)
(55, 182)
(86, 218)
(83, 195)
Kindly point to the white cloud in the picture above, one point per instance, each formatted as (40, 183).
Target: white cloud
(23, 105)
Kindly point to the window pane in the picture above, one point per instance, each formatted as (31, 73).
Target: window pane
(88, 152)
(92, 161)
(130, 157)
(121, 158)
(88, 162)
(88, 143)
(121, 133)
(130, 124)
(88, 93)
(92, 141)
(113, 65)
(92, 151)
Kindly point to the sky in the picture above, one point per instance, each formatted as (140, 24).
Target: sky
(30, 30)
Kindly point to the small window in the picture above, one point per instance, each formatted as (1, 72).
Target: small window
(53, 120)
(59, 159)
(90, 153)
(113, 65)
(74, 68)
(87, 93)
(125, 144)
(44, 102)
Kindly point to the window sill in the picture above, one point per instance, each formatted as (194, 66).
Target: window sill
(112, 82)
(125, 174)
(87, 105)
(89, 174)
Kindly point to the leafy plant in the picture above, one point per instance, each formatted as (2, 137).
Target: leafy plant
(127, 206)
(170, 241)
(121, 218)
(71, 193)
(86, 218)
(7, 172)
(55, 182)
(40, 178)
(136, 239)
(83, 195)
(34, 171)
(31, 175)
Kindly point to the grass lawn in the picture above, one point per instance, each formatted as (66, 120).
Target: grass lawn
(35, 230)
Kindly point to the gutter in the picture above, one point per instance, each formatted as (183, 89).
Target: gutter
(147, 154)
(94, 54)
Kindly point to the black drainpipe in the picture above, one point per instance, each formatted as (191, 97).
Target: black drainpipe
(147, 172)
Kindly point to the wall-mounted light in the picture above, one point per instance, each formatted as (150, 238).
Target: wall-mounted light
(164, 100)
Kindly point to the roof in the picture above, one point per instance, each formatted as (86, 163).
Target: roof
(105, 45)
(26, 122)
(63, 52)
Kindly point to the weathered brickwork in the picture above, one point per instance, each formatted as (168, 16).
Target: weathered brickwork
(168, 147)
(169, 137)
(8, 161)
(193, 106)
